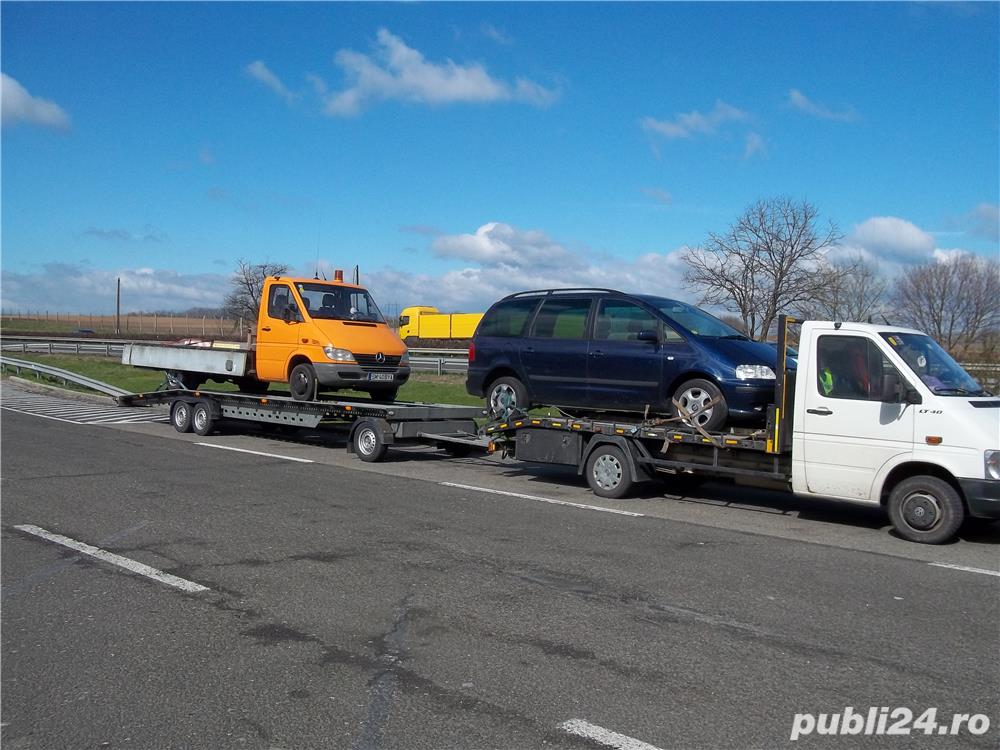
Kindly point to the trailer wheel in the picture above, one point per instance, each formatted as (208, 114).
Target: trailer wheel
(608, 472)
(180, 416)
(925, 509)
(302, 382)
(368, 443)
(201, 419)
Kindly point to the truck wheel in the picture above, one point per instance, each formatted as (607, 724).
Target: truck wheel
(926, 510)
(384, 394)
(694, 394)
(608, 472)
(368, 443)
(180, 416)
(202, 421)
(506, 395)
(302, 382)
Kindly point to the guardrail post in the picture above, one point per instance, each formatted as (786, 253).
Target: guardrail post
(440, 366)
(77, 347)
(50, 347)
(107, 348)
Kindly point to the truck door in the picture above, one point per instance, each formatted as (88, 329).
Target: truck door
(851, 429)
(624, 372)
(554, 356)
(276, 337)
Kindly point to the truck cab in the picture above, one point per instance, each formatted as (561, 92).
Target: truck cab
(409, 323)
(884, 416)
(319, 335)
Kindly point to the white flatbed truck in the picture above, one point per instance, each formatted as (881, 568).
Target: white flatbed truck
(875, 415)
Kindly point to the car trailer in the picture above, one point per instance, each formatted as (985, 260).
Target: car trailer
(373, 427)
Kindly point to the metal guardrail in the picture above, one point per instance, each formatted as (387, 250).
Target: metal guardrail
(64, 375)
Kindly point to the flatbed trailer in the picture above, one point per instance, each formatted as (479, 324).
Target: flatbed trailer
(372, 427)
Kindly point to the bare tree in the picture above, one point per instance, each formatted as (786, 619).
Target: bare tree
(854, 289)
(957, 301)
(246, 285)
(771, 260)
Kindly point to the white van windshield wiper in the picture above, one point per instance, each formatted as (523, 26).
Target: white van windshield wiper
(957, 392)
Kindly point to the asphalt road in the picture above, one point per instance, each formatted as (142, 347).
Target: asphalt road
(371, 606)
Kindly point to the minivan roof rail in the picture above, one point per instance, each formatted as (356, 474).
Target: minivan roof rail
(547, 292)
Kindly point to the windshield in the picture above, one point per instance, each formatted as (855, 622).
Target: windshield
(697, 321)
(933, 365)
(331, 302)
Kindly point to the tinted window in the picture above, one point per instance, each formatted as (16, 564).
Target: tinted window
(562, 319)
(618, 320)
(277, 300)
(850, 367)
(507, 318)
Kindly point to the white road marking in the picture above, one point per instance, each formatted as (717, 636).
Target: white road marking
(967, 570)
(109, 557)
(542, 499)
(604, 736)
(43, 416)
(256, 453)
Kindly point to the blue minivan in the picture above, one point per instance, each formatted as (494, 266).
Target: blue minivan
(601, 349)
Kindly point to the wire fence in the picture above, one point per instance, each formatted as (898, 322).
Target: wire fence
(141, 324)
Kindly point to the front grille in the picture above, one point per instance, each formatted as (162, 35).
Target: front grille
(370, 364)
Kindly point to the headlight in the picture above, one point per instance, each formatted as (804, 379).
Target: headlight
(337, 355)
(993, 464)
(754, 372)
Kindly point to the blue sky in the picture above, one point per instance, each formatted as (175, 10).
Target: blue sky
(458, 152)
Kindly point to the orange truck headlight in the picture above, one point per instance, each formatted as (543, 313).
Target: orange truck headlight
(337, 355)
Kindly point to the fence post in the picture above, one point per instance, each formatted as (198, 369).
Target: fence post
(154, 323)
(203, 332)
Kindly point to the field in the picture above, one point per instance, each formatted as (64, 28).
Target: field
(131, 324)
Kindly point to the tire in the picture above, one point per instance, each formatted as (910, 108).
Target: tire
(384, 394)
(180, 416)
(302, 383)
(694, 394)
(925, 509)
(608, 472)
(202, 420)
(368, 443)
(505, 395)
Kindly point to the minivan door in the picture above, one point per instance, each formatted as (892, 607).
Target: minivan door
(624, 372)
(849, 432)
(554, 356)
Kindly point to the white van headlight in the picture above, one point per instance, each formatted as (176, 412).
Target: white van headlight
(993, 464)
(754, 372)
(337, 355)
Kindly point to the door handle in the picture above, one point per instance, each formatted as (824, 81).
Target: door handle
(822, 411)
(529, 350)
(265, 328)
(597, 353)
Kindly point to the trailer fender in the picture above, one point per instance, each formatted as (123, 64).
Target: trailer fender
(381, 426)
(630, 448)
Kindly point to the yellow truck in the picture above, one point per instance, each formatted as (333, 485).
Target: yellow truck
(424, 322)
(313, 335)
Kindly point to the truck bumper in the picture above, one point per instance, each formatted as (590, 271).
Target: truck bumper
(333, 375)
(982, 496)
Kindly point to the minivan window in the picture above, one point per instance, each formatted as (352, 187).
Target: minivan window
(562, 319)
(507, 318)
(618, 320)
(697, 321)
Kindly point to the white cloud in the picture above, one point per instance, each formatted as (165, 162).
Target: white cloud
(260, 72)
(695, 123)
(395, 71)
(148, 233)
(754, 145)
(71, 288)
(984, 220)
(798, 100)
(17, 105)
(893, 239)
(492, 32)
(501, 259)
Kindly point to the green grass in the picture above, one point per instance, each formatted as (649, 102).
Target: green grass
(442, 389)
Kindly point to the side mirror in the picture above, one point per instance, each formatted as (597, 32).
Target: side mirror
(648, 335)
(893, 390)
(911, 396)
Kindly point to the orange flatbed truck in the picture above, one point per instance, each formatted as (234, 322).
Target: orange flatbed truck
(312, 334)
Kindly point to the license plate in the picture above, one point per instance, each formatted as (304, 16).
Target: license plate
(380, 376)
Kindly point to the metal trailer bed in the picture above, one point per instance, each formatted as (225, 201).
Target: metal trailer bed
(373, 427)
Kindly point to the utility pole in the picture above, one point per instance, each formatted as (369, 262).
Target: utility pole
(118, 308)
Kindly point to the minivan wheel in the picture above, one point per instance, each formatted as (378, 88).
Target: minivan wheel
(506, 395)
(694, 395)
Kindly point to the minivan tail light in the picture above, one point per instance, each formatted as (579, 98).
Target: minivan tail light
(472, 352)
